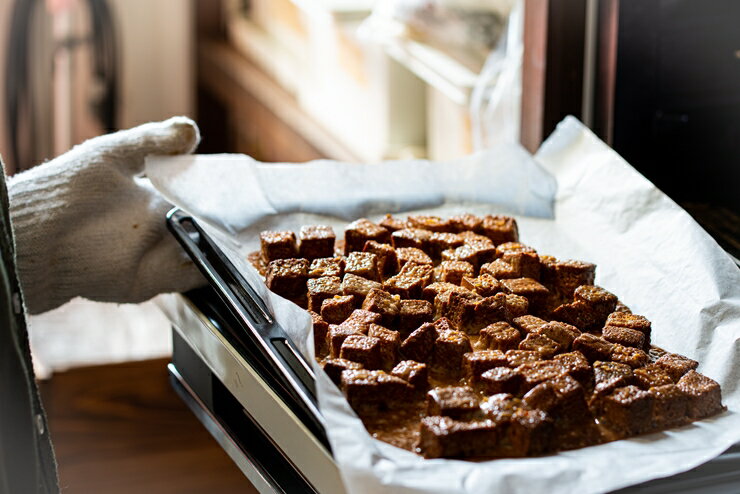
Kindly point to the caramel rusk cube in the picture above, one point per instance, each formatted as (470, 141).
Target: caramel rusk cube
(447, 356)
(669, 406)
(634, 357)
(358, 286)
(500, 229)
(368, 390)
(500, 270)
(500, 380)
(578, 367)
(601, 301)
(453, 271)
(476, 363)
(465, 222)
(563, 277)
(534, 373)
(445, 437)
(363, 264)
(277, 245)
(631, 321)
(440, 242)
(624, 336)
(287, 277)
(334, 367)
(528, 324)
(705, 396)
(484, 285)
(650, 376)
(413, 314)
(500, 336)
(535, 293)
(320, 328)
(385, 304)
(593, 347)
(338, 308)
(360, 231)
(627, 410)
(392, 223)
(515, 358)
(326, 266)
(458, 402)
(541, 344)
(363, 349)
(316, 241)
(336, 335)
(419, 345)
(611, 375)
(411, 237)
(676, 365)
(429, 222)
(563, 334)
(387, 258)
(320, 289)
(390, 344)
(414, 373)
(412, 254)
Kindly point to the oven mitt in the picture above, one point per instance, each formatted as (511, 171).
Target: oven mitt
(88, 224)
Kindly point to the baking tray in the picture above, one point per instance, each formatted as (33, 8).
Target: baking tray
(277, 359)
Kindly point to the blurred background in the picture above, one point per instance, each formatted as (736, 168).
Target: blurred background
(352, 80)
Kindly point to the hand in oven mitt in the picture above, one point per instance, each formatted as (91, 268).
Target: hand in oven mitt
(88, 224)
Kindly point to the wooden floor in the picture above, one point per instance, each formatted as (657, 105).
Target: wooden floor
(121, 428)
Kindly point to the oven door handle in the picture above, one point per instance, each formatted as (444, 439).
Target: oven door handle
(294, 373)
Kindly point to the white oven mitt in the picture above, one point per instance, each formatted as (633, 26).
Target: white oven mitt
(88, 224)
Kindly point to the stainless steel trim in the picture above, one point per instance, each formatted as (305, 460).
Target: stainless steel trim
(262, 483)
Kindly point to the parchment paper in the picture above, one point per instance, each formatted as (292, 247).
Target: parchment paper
(648, 251)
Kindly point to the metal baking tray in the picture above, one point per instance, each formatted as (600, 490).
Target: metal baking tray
(259, 402)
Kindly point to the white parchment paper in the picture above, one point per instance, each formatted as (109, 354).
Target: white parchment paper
(648, 251)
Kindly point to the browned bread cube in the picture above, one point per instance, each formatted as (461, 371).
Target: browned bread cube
(410, 281)
(361, 320)
(458, 402)
(429, 222)
(440, 242)
(358, 286)
(338, 308)
(390, 344)
(624, 336)
(500, 380)
(476, 363)
(561, 397)
(385, 304)
(277, 245)
(541, 344)
(459, 307)
(336, 335)
(535, 293)
(578, 314)
(368, 390)
(363, 264)
(500, 270)
(326, 266)
(499, 336)
(634, 357)
(627, 410)
(578, 367)
(363, 349)
(414, 373)
(563, 277)
(360, 231)
(316, 241)
(500, 229)
(528, 324)
(448, 352)
(611, 375)
(563, 334)
(320, 328)
(419, 345)
(334, 367)
(413, 314)
(631, 321)
(651, 376)
(515, 358)
(593, 347)
(465, 253)
(453, 271)
(387, 258)
(601, 301)
(411, 237)
(412, 254)
(525, 263)
(320, 289)
(431, 291)
(512, 248)
(445, 437)
(465, 222)
(287, 277)
(669, 406)
(392, 224)
(485, 249)
(705, 396)
(516, 305)
(484, 285)
(534, 373)
(676, 365)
